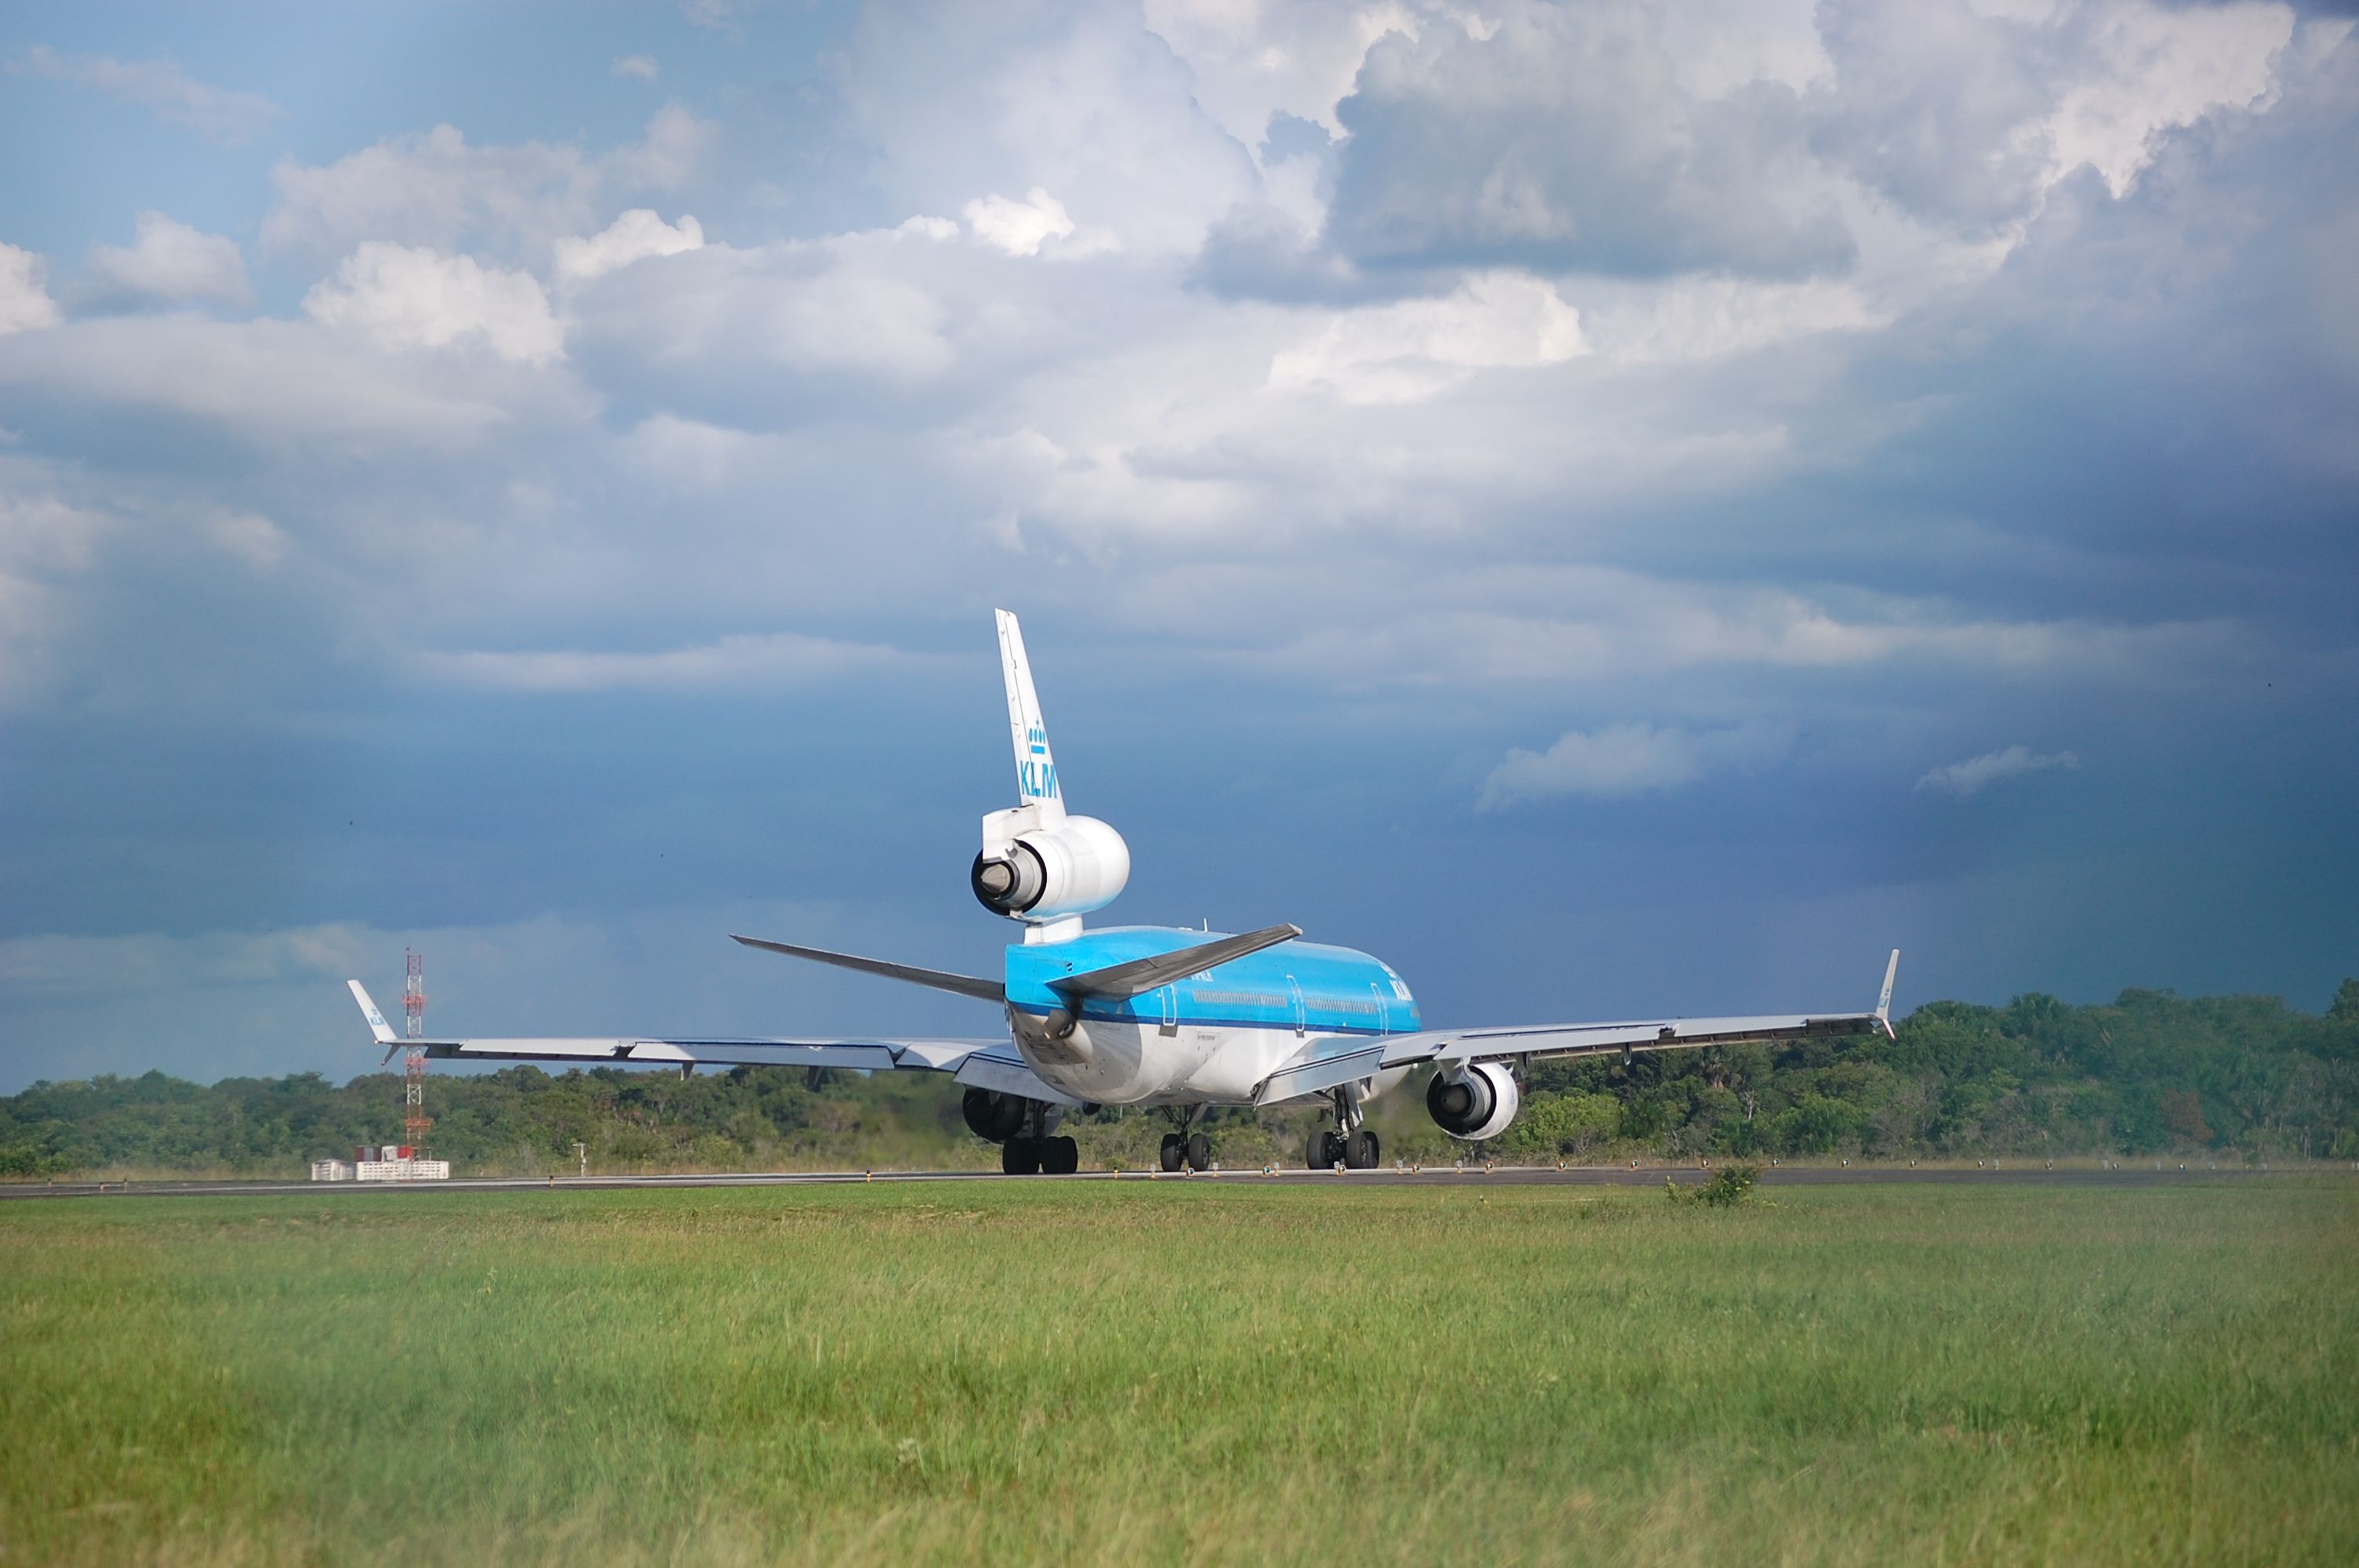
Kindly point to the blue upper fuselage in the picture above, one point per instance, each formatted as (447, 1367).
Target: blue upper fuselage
(1300, 986)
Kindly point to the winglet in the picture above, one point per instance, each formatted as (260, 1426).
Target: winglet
(1036, 770)
(1884, 999)
(378, 1025)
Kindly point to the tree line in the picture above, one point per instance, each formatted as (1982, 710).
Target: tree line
(2243, 1077)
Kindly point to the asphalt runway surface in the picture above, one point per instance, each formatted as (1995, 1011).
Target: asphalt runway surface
(2027, 1174)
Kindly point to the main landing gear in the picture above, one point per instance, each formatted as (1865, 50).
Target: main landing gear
(1348, 1143)
(1183, 1148)
(1021, 1127)
(1039, 1156)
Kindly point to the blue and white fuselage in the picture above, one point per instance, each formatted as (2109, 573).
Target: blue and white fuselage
(1213, 1037)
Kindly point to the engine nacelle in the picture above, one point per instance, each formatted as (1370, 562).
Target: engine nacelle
(1034, 873)
(1476, 1106)
(994, 1117)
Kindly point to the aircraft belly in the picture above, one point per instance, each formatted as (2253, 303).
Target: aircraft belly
(1241, 1060)
(1106, 1062)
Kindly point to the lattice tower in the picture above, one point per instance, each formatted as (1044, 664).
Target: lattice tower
(414, 1119)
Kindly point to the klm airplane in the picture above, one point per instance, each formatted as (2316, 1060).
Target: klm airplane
(1169, 1019)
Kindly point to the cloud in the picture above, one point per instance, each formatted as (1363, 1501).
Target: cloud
(249, 535)
(167, 263)
(2151, 69)
(635, 236)
(162, 86)
(1967, 114)
(642, 66)
(403, 297)
(275, 386)
(24, 301)
(53, 966)
(1409, 351)
(756, 661)
(759, 331)
(1977, 774)
(1563, 140)
(942, 100)
(1624, 759)
(437, 188)
(1018, 228)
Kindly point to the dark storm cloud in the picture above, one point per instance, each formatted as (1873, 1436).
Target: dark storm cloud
(1562, 142)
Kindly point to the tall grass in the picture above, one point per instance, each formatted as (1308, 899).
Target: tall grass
(1201, 1371)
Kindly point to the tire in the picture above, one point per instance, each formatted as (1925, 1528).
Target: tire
(1360, 1150)
(1323, 1149)
(1199, 1151)
(1060, 1156)
(1020, 1156)
(1172, 1150)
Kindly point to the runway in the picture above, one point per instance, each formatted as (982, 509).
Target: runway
(2004, 1173)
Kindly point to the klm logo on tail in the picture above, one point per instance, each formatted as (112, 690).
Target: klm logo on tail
(1035, 780)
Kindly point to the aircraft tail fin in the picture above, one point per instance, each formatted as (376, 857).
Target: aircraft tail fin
(1036, 768)
(1883, 999)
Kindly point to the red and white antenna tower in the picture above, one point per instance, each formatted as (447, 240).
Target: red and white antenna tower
(414, 1119)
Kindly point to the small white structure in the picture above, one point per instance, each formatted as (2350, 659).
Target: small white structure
(382, 1162)
(404, 1170)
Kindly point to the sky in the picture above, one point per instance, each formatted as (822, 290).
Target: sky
(1619, 509)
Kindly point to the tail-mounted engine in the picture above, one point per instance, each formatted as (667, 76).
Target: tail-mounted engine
(1477, 1104)
(1031, 872)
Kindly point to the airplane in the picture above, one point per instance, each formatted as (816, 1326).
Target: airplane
(1164, 1018)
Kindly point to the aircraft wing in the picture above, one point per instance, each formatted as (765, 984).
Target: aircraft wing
(1339, 1059)
(687, 1055)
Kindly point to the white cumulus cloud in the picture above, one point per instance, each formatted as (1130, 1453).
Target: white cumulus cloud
(170, 263)
(437, 189)
(1977, 774)
(24, 301)
(1623, 760)
(407, 298)
(642, 66)
(636, 235)
(1405, 353)
(1020, 228)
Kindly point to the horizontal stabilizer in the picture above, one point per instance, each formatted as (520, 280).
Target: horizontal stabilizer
(941, 980)
(1120, 982)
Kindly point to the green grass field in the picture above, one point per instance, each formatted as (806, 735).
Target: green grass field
(1219, 1371)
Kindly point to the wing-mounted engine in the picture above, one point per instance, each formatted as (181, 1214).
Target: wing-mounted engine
(1040, 864)
(1033, 872)
(1478, 1103)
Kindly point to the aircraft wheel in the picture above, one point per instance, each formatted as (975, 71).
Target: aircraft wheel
(1174, 1151)
(1020, 1156)
(1360, 1150)
(1060, 1156)
(1324, 1148)
(1199, 1151)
